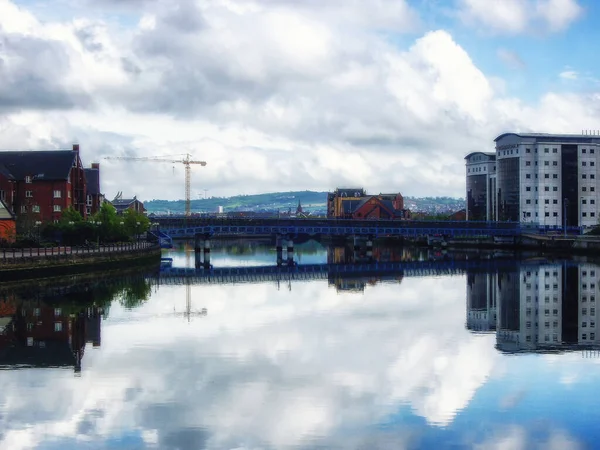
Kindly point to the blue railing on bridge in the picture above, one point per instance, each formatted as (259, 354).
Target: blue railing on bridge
(190, 227)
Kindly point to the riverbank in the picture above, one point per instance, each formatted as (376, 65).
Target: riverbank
(34, 263)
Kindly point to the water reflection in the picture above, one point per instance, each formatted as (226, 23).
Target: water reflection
(536, 307)
(368, 354)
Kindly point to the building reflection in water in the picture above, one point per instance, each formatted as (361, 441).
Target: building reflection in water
(548, 307)
(37, 334)
(347, 254)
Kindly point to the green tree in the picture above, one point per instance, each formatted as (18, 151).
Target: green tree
(71, 215)
(135, 223)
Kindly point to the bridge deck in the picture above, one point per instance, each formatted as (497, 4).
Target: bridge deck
(181, 275)
(187, 228)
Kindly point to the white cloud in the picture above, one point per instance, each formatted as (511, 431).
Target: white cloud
(519, 16)
(274, 371)
(273, 94)
(569, 75)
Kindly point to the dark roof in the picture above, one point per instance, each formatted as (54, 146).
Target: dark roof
(5, 172)
(52, 354)
(92, 181)
(491, 156)
(584, 138)
(41, 165)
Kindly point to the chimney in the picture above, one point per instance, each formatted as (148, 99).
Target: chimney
(96, 166)
(76, 148)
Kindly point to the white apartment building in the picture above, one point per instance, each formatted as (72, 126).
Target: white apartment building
(543, 179)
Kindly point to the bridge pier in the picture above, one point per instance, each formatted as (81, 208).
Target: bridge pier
(279, 249)
(290, 251)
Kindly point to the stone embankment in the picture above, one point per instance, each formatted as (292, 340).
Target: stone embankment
(34, 262)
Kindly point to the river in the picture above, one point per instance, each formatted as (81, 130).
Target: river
(498, 353)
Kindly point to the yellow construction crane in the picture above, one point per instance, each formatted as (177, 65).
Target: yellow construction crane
(186, 162)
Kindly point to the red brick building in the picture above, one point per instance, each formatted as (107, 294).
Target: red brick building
(40, 185)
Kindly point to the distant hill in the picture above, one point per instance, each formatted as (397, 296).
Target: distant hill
(312, 201)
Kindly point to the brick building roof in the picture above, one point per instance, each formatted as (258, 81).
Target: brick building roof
(39, 164)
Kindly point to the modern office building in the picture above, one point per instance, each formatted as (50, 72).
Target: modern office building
(546, 179)
(481, 186)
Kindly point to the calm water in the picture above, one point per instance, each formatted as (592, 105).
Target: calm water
(500, 356)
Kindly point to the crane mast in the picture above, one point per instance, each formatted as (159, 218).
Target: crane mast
(187, 162)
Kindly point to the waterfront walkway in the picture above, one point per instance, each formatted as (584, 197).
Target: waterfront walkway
(8, 255)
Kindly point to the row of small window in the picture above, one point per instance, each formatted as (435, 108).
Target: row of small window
(546, 150)
(584, 299)
(546, 324)
(592, 336)
(585, 324)
(546, 312)
(585, 286)
(546, 163)
(584, 311)
(555, 188)
(546, 176)
(479, 169)
(57, 194)
(546, 286)
(546, 338)
(584, 272)
(547, 274)
(36, 208)
(546, 299)
(57, 326)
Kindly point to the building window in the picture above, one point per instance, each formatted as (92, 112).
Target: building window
(583, 189)
(528, 202)
(555, 214)
(57, 194)
(528, 188)
(527, 175)
(2, 195)
(547, 202)
(583, 163)
(57, 208)
(583, 150)
(547, 188)
(57, 312)
(555, 202)
(28, 179)
(546, 163)
(592, 163)
(29, 194)
(68, 194)
(546, 150)
(555, 188)
(527, 163)
(554, 150)
(23, 208)
(584, 176)
(592, 151)
(527, 150)
(57, 326)
(547, 214)
(555, 176)
(35, 208)
(546, 175)
(555, 163)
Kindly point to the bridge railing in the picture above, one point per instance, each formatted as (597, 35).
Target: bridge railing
(180, 223)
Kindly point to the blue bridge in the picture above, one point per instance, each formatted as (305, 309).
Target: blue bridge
(383, 270)
(188, 228)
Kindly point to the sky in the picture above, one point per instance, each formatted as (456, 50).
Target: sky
(281, 95)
